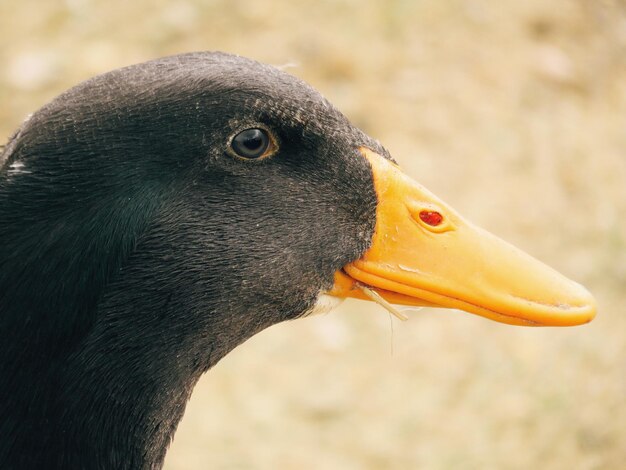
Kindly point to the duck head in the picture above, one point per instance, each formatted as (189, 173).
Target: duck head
(155, 217)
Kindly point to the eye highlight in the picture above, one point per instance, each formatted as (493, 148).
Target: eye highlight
(253, 144)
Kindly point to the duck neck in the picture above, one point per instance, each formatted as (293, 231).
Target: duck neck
(91, 377)
(110, 403)
(109, 390)
(88, 414)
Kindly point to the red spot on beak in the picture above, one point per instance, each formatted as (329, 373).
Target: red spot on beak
(431, 218)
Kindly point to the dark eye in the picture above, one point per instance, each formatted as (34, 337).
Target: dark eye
(252, 143)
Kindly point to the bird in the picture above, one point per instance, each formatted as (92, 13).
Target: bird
(155, 217)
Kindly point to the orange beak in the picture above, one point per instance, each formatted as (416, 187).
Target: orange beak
(424, 254)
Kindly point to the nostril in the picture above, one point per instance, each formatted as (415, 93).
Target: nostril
(432, 218)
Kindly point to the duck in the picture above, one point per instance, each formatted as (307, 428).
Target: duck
(155, 217)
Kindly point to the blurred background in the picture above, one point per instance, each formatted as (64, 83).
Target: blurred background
(515, 114)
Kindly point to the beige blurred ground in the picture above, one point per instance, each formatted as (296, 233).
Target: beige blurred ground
(512, 111)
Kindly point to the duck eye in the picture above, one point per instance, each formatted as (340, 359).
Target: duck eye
(252, 143)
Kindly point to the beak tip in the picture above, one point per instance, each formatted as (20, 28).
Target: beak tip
(588, 305)
(590, 310)
(581, 312)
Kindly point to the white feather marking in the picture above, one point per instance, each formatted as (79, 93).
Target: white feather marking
(16, 168)
(325, 303)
